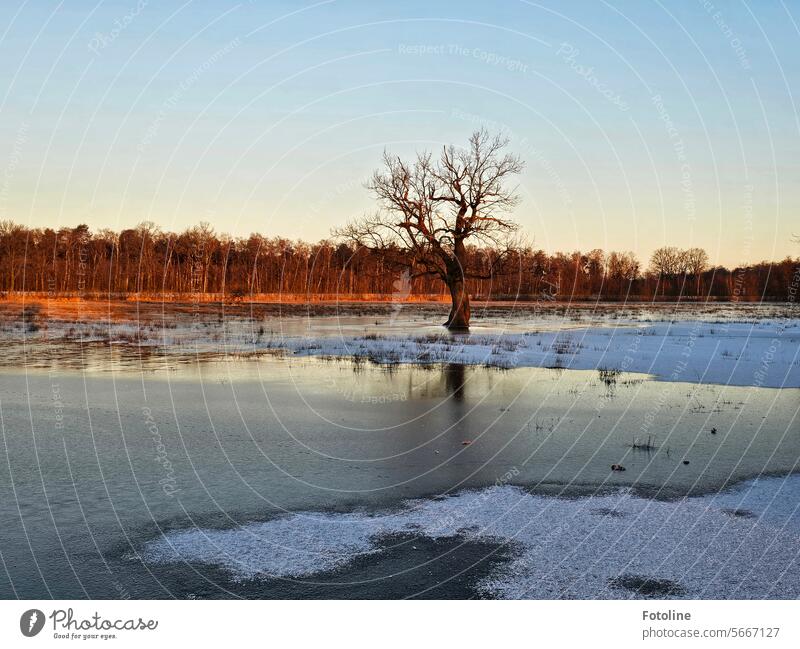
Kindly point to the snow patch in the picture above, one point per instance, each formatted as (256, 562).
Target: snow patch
(762, 350)
(573, 548)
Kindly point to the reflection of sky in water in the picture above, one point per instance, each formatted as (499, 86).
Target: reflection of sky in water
(249, 437)
(362, 428)
(140, 345)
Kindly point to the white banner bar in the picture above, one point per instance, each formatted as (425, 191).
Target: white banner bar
(382, 625)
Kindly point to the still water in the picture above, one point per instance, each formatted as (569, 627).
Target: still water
(96, 464)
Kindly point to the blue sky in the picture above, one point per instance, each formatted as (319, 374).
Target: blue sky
(642, 124)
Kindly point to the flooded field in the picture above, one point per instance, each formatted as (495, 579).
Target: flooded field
(729, 344)
(368, 454)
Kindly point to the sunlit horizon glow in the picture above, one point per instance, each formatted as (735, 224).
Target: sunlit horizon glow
(642, 124)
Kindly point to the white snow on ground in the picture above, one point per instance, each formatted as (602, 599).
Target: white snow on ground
(707, 546)
(773, 500)
(764, 354)
(760, 351)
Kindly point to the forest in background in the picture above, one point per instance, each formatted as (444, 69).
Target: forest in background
(148, 261)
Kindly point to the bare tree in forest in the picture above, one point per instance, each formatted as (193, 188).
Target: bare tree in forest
(147, 260)
(670, 263)
(12, 243)
(429, 209)
(696, 263)
(666, 264)
(622, 269)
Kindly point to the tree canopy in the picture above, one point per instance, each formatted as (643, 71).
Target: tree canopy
(430, 207)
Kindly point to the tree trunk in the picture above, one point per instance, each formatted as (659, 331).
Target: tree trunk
(456, 282)
(459, 311)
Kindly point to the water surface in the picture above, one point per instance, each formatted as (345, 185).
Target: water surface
(99, 462)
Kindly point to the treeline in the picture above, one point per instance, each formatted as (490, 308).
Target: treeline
(147, 260)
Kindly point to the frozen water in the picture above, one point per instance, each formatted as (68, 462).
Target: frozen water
(572, 548)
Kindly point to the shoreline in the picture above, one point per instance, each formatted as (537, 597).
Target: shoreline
(271, 299)
(747, 353)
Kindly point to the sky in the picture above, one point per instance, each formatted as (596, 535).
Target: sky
(642, 124)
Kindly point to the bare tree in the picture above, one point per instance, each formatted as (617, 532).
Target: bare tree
(147, 259)
(696, 260)
(622, 269)
(670, 263)
(666, 264)
(204, 243)
(12, 243)
(430, 209)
